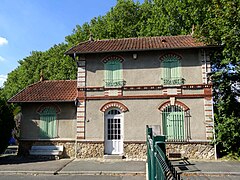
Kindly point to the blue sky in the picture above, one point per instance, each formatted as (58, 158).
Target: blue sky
(36, 25)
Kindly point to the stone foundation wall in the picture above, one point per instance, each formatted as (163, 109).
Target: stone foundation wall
(90, 150)
(192, 150)
(188, 150)
(134, 151)
(137, 151)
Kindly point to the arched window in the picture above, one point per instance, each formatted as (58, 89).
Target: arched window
(173, 123)
(114, 112)
(171, 72)
(48, 123)
(113, 73)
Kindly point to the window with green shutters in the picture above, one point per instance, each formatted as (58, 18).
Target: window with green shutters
(48, 123)
(171, 72)
(173, 123)
(113, 73)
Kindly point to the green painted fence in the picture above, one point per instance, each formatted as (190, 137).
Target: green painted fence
(159, 167)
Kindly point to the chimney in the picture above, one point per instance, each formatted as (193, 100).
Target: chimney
(193, 28)
(41, 76)
(91, 37)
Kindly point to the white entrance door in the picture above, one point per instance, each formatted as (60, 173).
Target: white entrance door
(113, 132)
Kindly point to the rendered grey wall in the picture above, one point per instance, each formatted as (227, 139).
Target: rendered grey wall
(146, 69)
(66, 121)
(140, 114)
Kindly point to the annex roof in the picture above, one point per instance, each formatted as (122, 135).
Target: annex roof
(136, 44)
(48, 91)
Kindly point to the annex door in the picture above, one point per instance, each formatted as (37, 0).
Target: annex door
(113, 132)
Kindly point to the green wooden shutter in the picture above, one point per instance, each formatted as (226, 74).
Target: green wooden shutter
(173, 123)
(113, 73)
(175, 71)
(48, 123)
(108, 73)
(171, 71)
(166, 72)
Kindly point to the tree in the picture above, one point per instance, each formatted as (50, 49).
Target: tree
(52, 63)
(222, 27)
(6, 124)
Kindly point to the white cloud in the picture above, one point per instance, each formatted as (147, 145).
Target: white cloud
(2, 79)
(3, 41)
(2, 58)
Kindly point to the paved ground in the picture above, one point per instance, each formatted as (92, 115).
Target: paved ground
(105, 167)
(111, 169)
(70, 177)
(19, 165)
(208, 169)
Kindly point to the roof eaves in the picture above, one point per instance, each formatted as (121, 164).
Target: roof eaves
(9, 101)
(66, 52)
(152, 49)
(72, 100)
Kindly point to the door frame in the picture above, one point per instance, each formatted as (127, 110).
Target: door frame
(121, 117)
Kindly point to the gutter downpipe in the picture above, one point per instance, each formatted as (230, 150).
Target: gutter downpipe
(205, 60)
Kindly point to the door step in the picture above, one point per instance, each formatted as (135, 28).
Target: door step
(113, 156)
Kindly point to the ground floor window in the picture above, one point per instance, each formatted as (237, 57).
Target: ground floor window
(48, 123)
(173, 123)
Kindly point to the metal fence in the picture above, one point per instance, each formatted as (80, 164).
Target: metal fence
(159, 167)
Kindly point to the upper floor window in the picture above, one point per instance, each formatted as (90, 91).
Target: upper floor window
(171, 69)
(113, 72)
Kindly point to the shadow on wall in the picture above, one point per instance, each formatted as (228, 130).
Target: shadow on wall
(40, 137)
(43, 122)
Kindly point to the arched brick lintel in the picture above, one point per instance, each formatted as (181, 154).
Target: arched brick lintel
(177, 103)
(114, 104)
(171, 54)
(45, 105)
(113, 57)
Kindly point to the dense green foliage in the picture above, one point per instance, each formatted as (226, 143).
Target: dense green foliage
(52, 63)
(222, 27)
(216, 20)
(6, 124)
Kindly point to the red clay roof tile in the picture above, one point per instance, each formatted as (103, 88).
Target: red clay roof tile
(136, 44)
(48, 91)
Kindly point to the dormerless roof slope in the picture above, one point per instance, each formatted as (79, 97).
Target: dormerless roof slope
(136, 44)
(48, 91)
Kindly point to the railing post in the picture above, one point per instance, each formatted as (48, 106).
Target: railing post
(149, 152)
(155, 140)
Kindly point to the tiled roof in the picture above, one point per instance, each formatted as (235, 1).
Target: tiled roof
(48, 91)
(136, 44)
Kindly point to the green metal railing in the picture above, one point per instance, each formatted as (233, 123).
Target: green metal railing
(173, 81)
(114, 83)
(159, 167)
